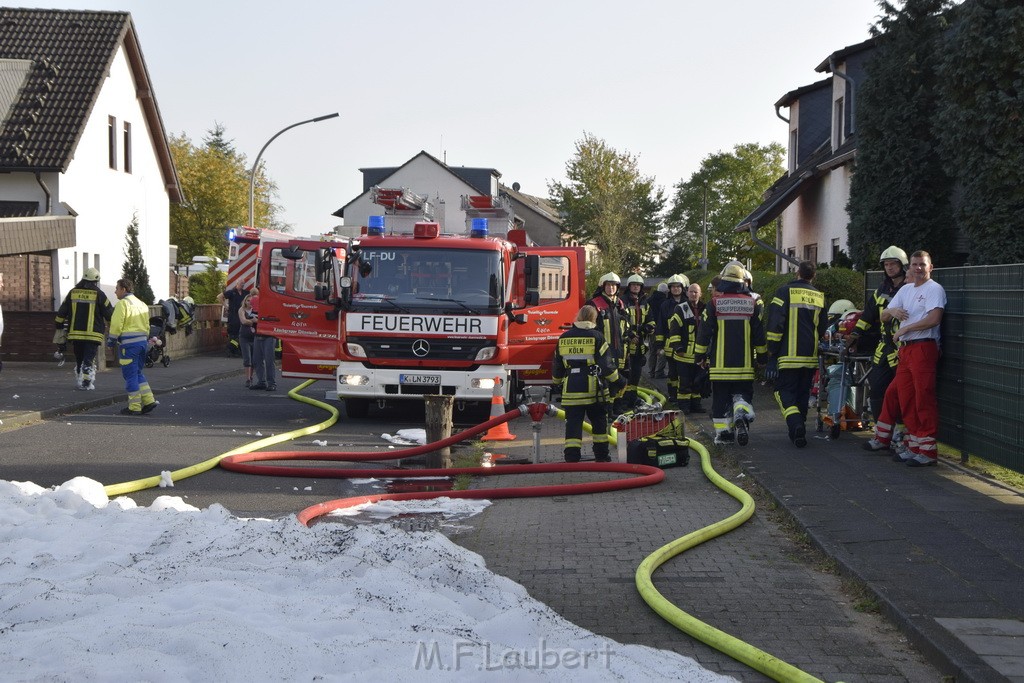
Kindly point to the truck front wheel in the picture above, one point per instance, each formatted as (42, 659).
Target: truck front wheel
(357, 407)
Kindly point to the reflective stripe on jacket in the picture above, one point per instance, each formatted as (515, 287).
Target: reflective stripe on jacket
(130, 322)
(730, 332)
(582, 357)
(682, 333)
(796, 323)
(85, 311)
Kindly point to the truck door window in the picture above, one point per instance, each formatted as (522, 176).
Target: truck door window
(554, 279)
(297, 277)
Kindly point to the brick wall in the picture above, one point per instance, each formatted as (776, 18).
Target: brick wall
(28, 283)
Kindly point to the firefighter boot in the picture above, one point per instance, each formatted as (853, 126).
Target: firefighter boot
(695, 406)
(89, 378)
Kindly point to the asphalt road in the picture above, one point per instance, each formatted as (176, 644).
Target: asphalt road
(190, 427)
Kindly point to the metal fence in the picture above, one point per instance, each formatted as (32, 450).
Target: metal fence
(980, 382)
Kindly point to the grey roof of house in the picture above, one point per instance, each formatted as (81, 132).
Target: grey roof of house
(55, 63)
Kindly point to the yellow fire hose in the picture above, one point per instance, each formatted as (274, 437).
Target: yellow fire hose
(151, 482)
(737, 649)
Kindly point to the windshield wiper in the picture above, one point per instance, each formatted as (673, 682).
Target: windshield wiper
(382, 300)
(454, 301)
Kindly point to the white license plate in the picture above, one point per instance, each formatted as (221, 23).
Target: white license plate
(419, 379)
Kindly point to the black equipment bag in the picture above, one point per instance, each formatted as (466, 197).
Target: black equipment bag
(658, 451)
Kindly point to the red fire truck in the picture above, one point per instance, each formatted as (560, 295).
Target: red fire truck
(410, 309)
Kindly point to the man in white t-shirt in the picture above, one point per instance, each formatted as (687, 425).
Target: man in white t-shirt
(919, 309)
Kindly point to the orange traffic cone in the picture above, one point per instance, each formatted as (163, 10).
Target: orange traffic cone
(499, 432)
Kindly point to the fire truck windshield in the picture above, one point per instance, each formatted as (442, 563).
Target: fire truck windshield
(467, 280)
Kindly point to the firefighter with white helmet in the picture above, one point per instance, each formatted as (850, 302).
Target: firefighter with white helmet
(612, 321)
(677, 285)
(84, 314)
(641, 326)
(796, 323)
(730, 337)
(682, 338)
(874, 336)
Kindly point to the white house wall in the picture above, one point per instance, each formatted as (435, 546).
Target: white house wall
(818, 216)
(425, 177)
(23, 187)
(106, 199)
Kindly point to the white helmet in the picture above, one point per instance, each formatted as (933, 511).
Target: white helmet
(91, 274)
(609, 277)
(681, 280)
(895, 253)
(734, 272)
(634, 279)
(841, 307)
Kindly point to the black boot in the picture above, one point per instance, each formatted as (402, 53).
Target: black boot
(695, 406)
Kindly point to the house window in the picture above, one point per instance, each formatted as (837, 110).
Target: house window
(127, 147)
(96, 262)
(794, 152)
(791, 253)
(835, 249)
(85, 262)
(112, 141)
(811, 253)
(838, 123)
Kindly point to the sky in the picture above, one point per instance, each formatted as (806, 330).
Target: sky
(98, 590)
(509, 86)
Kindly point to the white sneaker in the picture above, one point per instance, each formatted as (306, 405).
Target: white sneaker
(874, 444)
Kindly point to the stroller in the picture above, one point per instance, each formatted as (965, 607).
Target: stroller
(156, 349)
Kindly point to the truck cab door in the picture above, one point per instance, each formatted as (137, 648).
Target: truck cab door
(298, 295)
(551, 289)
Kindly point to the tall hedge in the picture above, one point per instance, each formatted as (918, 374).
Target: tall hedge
(900, 191)
(981, 85)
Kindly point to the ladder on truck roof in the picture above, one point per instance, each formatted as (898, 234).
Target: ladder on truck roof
(497, 210)
(401, 199)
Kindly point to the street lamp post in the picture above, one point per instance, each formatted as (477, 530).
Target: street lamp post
(704, 251)
(256, 164)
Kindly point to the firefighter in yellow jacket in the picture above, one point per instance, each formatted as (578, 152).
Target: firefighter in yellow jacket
(586, 373)
(129, 329)
(84, 313)
(796, 324)
(730, 336)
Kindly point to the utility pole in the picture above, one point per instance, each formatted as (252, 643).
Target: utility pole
(704, 251)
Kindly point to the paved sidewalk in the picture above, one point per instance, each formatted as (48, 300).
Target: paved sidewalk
(940, 549)
(30, 392)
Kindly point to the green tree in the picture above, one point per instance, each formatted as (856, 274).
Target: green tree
(204, 287)
(215, 182)
(900, 192)
(134, 267)
(733, 184)
(980, 83)
(608, 203)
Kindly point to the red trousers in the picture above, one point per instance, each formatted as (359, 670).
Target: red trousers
(915, 388)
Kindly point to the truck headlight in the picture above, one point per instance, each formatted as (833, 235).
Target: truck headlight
(353, 380)
(355, 350)
(486, 353)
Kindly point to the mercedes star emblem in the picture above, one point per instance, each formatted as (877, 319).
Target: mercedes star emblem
(420, 348)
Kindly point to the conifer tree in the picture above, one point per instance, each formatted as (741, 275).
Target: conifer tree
(134, 267)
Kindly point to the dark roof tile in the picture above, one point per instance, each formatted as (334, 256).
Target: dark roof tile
(71, 52)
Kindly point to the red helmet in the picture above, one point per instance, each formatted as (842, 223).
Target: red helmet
(849, 323)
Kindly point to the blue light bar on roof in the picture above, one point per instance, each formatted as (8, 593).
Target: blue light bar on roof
(479, 228)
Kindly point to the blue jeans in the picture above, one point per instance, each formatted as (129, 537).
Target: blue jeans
(263, 359)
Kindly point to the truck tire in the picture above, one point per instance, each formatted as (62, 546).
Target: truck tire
(357, 408)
